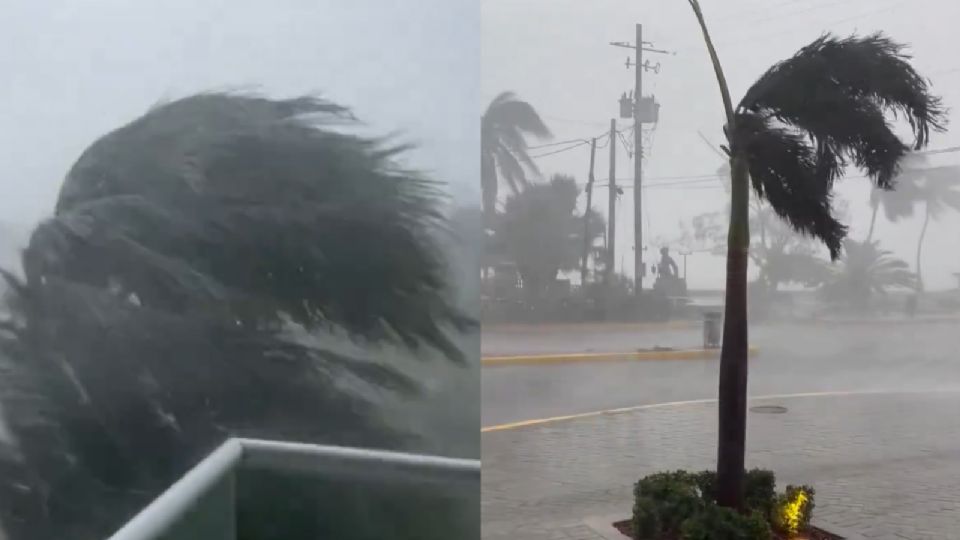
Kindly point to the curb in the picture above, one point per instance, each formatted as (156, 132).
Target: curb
(525, 328)
(668, 354)
(846, 533)
(603, 527)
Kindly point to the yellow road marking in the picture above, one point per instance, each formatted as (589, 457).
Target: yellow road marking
(669, 354)
(586, 327)
(550, 420)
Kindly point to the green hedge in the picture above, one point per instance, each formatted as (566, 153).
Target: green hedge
(682, 504)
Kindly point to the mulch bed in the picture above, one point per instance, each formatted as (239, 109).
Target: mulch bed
(626, 528)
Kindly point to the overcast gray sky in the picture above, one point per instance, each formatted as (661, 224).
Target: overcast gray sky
(75, 69)
(556, 54)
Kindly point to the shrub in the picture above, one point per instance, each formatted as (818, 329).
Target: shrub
(707, 484)
(663, 501)
(646, 519)
(760, 491)
(718, 523)
(683, 505)
(793, 509)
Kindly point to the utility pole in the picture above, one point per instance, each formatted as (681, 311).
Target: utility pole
(638, 167)
(643, 110)
(612, 208)
(586, 217)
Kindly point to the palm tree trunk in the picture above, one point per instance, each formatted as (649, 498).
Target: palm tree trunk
(873, 222)
(732, 402)
(488, 184)
(923, 234)
(733, 356)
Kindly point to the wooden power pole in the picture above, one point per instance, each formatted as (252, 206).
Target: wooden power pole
(644, 111)
(612, 208)
(586, 217)
(638, 167)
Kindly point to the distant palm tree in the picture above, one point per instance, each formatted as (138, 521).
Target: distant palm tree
(790, 137)
(866, 271)
(939, 191)
(936, 188)
(542, 232)
(503, 131)
(898, 203)
(168, 302)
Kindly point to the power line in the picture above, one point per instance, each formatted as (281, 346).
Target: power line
(578, 145)
(569, 141)
(573, 121)
(708, 178)
(558, 143)
(574, 143)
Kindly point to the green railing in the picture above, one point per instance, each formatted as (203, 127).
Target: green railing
(202, 504)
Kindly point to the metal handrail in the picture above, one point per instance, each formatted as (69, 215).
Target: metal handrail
(238, 454)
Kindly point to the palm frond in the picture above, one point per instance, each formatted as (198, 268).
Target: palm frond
(110, 402)
(503, 130)
(785, 171)
(507, 111)
(831, 73)
(807, 116)
(511, 169)
(169, 203)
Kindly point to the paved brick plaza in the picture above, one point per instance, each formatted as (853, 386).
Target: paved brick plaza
(885, 466)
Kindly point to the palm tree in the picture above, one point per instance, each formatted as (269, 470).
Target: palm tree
(503, 130)
(939, 191)
(898, 203)
(542, 233)
(201, 277)
(865, 271)
(790, 137)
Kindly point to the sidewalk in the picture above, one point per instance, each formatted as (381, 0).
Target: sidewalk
(885, 466)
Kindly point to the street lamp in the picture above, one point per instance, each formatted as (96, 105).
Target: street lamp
(684, 254)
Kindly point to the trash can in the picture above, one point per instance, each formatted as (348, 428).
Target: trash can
(711, 330)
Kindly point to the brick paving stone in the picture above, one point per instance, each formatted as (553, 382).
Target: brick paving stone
(884, 465)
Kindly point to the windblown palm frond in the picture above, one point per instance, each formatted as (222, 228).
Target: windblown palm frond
(504, 127)
(161, 305)
(809, 116)
(150, 208)
(109, 402)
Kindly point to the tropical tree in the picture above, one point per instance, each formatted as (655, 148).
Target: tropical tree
(790, 137)
(781, 255)
(938, 191)
(503, 146)
(898, 203)
(866, 271)
(542, 233)
(168, 304)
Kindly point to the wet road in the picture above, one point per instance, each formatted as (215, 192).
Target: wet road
(792, 359)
